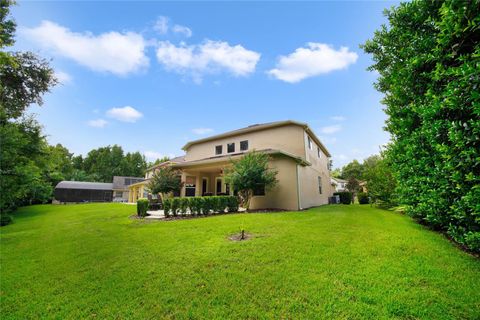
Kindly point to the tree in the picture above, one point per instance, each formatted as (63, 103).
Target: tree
(158, 161)
(24, 78)
(165, 180)
(250, 173)
(427, 61)
(381, 182)
(352, 170)
(353, 185)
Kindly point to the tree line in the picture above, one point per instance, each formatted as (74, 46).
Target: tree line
(30, 167)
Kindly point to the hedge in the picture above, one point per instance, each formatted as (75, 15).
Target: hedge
(431, 97)
(200, 205)
(362, 198)
(345, 197)
(142, 207)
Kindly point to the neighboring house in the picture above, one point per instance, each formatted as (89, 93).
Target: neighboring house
(340, 184)
(120, 187)
(296, 152)
(81, 191)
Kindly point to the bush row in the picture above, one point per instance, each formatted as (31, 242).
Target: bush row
(200, 205)
(363, 198)
(345, 197)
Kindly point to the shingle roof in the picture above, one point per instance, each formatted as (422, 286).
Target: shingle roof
(84, 185)
(257, 127)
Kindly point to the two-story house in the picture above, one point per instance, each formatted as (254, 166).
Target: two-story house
(300, 158)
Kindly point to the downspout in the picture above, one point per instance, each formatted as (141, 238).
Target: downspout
(298, 189)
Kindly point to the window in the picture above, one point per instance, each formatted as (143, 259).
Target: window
(243, 145)
(320, 185)
(118, 194)
(190, 185)
(259, 190)
(218, 150)
(309, 143)
(319, 153)
(231, 147)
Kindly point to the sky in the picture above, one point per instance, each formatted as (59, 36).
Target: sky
(151, 76)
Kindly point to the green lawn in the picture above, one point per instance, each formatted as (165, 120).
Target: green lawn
(351, 262)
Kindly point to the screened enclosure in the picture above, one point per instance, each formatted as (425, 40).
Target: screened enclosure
(76, 191)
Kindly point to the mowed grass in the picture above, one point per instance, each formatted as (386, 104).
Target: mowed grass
(350, 262)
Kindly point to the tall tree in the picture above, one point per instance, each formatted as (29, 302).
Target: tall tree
(24, 77)
(353, 169)
(429, 70)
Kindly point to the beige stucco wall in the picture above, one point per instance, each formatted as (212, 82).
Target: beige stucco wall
(284, 195)
(309, 191)
(286, 138)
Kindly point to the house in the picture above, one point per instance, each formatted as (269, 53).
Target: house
(340, 184)
(300, 158)
(120, 187)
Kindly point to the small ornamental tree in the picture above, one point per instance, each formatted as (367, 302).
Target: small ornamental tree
(250, 173)
(165, 181)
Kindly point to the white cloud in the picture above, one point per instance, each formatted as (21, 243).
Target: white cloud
(161, 25)
(331, 129)
(338, 118)
(125, 114)
(182, 30)
(202, 130)
(114, 52)
(208, 57)
(314, 60)
(153, 155)
(63, 77)
(98, 123)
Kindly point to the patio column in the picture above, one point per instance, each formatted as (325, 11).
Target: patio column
(198, 185)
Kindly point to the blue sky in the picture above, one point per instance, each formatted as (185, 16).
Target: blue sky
(151, 76)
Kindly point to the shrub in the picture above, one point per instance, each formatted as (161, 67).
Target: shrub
(208, 205)
(5, 219)
(183, 205)
(167, 205)
(224, 203)
(232, 205)
(363, 198)
(175, 206)
(142, 207)
(192, 204)
(345, 197)
(218, 204)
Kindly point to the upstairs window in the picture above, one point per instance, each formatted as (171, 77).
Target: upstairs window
(319, 153)
(320, 185)
(309, 143)
(231, 147)
(244, 145)
(218, 150)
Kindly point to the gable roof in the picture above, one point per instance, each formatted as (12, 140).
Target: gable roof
(259, 127)
(178, 159)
